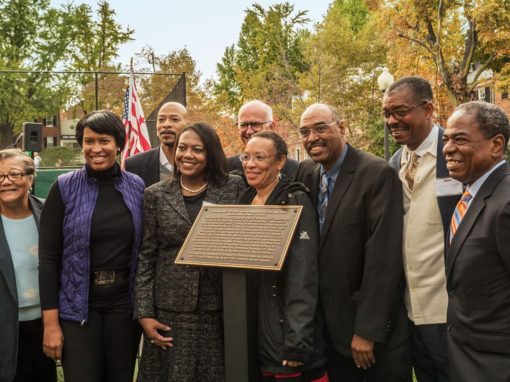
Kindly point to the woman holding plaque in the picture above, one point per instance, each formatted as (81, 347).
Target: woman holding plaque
(290, 342)
(179, 306)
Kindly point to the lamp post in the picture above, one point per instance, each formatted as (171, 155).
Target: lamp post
(384, 81)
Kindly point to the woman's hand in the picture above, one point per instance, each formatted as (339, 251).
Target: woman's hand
(292, 363)
(53, 339)
(152, 329)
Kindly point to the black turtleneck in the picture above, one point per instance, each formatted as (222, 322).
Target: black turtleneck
(111, 236)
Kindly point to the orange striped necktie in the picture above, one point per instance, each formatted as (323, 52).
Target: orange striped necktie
(458, 214)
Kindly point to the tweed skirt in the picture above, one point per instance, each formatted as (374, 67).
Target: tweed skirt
(197, 352)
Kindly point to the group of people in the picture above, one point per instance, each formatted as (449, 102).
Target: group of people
(393, 267)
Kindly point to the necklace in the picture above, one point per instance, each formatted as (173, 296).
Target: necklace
(193, 191)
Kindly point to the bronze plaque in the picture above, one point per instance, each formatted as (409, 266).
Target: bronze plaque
(249, 237)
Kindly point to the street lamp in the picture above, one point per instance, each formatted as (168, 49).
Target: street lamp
(384, 81)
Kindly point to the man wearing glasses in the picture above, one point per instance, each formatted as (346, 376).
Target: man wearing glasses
(358, 199)
(430, 196)
(255, 116)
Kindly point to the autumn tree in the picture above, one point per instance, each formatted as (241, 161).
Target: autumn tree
(458, 39)
(344, 58)
(153, 89)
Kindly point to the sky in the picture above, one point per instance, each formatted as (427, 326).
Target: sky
(205, 28)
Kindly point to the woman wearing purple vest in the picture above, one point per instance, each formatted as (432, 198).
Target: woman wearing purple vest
(90, 234)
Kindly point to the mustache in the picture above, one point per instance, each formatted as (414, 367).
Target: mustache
(320, 142)
(168, 131)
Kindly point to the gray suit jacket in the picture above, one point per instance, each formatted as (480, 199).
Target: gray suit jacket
(9, 302)
(159, 282)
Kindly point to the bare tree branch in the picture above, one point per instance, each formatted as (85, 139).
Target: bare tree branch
(421, 43)
(480, 70)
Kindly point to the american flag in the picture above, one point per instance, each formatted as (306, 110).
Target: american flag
(137, 136)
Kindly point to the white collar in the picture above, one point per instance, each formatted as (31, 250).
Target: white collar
(163, 161)
(477, 184)
(429, 145)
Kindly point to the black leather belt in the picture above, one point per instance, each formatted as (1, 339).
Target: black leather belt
(109, 277)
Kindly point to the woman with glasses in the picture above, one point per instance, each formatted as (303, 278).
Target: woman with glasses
(290, 342)
(91, 228)
(180, 307)
(21, 331)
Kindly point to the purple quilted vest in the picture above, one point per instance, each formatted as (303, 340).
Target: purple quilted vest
(79, 194)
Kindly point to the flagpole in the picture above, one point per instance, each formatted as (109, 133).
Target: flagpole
(137, 136)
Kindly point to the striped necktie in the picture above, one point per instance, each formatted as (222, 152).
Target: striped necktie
(323, 198)
(458, 214)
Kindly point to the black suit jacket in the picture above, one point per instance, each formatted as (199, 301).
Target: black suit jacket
(236, 167)
(145, 165)
(360, 252)
(9, 302)
(478, 271)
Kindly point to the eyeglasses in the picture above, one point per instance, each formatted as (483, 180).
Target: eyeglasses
(257, 158)
(317, 129)
(401, 113)
(12, 176)
(255, 126)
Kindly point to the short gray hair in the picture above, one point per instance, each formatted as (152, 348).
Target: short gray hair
(27, 162)
(259, 104)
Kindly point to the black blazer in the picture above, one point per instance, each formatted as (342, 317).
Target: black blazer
(166, 223)
(446, 204)
(145, 165)
(9, 301)
(360, 252)
(478, 270)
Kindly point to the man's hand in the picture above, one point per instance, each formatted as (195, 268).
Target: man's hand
(292, 363)
(362, 352)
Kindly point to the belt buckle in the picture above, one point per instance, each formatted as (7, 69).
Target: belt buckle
(104, 277)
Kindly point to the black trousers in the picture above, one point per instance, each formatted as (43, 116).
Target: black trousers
(392, 365)
(429, 352)
(104, 348)
(32, 364)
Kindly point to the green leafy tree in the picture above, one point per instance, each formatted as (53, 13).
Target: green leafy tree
(94, 46)
(267, 60)
(227, 90)
(33, 37)
(38, 37)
